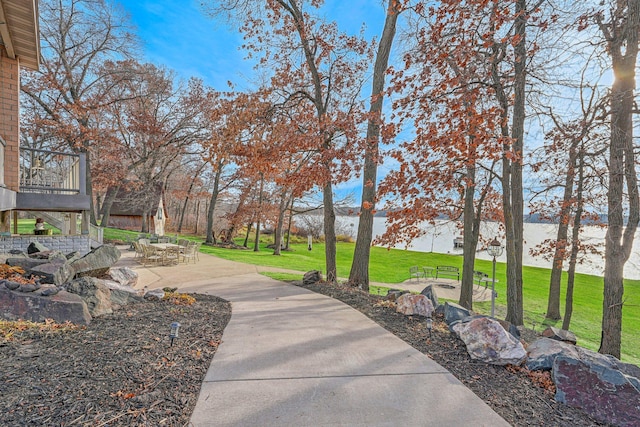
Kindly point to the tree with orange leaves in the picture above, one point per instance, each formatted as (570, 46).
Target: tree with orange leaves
(320, 69)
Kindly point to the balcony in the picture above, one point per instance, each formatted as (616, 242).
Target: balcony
(52, 181)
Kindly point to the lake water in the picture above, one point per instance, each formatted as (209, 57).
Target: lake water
(440, 239)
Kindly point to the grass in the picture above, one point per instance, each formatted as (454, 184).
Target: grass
(27, 225)
(390, 267)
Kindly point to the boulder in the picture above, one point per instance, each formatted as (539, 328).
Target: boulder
(61, 307)
(453, 312)
(430, 292)
(94, 293)
(124, 276)
(394, 294)
(122, 294)
(25, 263)
(57, 272)
(509, 327)
(72, 256)
(487, 341)
(35, 247)
(57, 256)
(97, 262)
(154, 295)
(311, 277)
(543, 352)
(560, 335)
(596, 386)
(411, 305)
(48, 290)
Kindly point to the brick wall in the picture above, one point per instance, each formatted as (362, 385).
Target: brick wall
(9, 117)
(64, 244)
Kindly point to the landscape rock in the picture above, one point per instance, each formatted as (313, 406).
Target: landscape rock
(598, 388)
(430, 292)
(9, 284)
(154, 294)
(57, 272)
(560, 335)
(394, 294)
(57, 256)
(487, 341)
(48, 290)
(122, 295)
(61, 307)
(124, 276)
(509, 327)
(28, 287)
(72, 256)
(453, 312)
(94, 293)
(312, 277)
(25, 263)
(35, 247)
(97, 262)
(410, 305)
(543, 352)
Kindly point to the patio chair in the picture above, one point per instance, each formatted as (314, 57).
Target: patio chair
(153, 238)
(188, 253)
(138, 247)
(197, 250)
(163, 239)
(151, 255)
(171, 255)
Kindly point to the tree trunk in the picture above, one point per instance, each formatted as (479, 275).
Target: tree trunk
(287, 247)
(182, 213)
(622, 38)
(553, 303)
(471, 233)
(92, 211)
(108, 202)
(329, 233)
(246, 238)
(575, 244)
(282, 209)
(197, 217)
(256, 245)
(359, 274)
(210, 239)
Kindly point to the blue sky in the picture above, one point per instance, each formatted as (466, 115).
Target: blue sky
(180, 36)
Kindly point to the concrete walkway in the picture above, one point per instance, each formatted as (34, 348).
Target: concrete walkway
(290, 357)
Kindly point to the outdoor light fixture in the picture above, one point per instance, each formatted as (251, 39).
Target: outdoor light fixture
(494, 250)
(429, 325)
(174, 331)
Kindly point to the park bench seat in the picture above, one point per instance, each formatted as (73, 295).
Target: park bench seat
(416, 272)
(480, 278)
(448, 270)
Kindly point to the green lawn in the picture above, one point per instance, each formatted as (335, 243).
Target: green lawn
(392, 267)
(27, 225)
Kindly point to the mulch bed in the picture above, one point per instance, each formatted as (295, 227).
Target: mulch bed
(520, 397)
(119, 370)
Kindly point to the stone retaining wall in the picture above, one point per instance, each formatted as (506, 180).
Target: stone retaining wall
(65, 244)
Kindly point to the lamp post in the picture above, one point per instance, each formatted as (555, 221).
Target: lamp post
(494, 250)
(175, 326)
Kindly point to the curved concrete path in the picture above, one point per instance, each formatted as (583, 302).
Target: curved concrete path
(291, 357)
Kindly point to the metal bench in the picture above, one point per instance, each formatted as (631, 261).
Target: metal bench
(480, 278)
(448, 270)
(416, 272)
